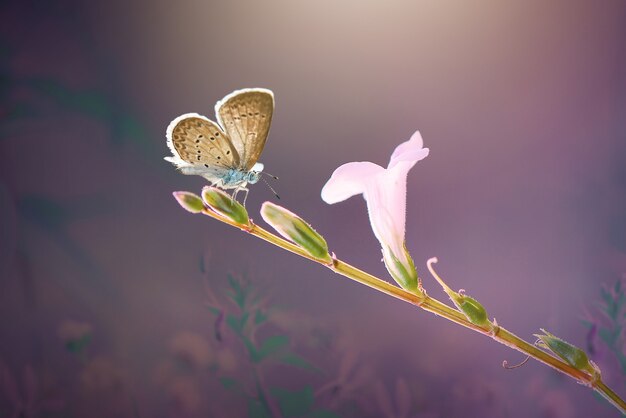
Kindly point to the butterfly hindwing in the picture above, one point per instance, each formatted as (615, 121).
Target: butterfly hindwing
(200, 143)
(246, 116)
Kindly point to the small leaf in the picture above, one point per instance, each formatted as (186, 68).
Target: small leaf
(294, 360)
(259, 317)
(294, 404)
(587, 324)
(78, 345)
(45, 212)
(236, 323)
(253, 353)
(239, 294)
(610, 336)
(214, 310)
(257, 410)
(89, 102)
(322, 413)
(228, 383)
(271, 345)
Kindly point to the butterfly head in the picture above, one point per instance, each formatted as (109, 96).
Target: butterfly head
(254, 174)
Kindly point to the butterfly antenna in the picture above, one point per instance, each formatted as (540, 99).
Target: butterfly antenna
(270, 187)
(268, 174)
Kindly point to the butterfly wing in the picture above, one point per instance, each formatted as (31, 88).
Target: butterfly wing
(199, 146)
(246, 116)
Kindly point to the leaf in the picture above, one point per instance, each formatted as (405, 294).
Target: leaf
(128, 127)
(323, 413)
(237, 323)
(202, 264)
(43, 212)
(89, 102)
(271, 345)
(587, 324)
(19, 111)
(609, 336)
(257, 410)
(214, 310)
(294, 404)
(78, 345)
(259, 317)
(252, 351)
(239, 293)
(294, 360)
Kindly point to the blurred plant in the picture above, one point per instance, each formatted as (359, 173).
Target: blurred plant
(25, 399)
(244, 322)
(606, 339)
(385, 193)
(76, 336)
(30, 98)
(27, 98)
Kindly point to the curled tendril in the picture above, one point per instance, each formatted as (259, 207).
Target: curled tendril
(505, 363)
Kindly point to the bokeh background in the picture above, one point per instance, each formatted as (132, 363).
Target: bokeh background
(116, 302)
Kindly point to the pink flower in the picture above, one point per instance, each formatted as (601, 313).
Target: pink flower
(385, 193)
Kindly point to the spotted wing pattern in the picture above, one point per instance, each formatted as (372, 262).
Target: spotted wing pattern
(200, 144)
(246, 116)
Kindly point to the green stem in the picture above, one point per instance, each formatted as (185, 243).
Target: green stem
(432, 305)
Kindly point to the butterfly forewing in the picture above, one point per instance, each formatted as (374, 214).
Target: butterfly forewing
(246, 115)
(200, 142)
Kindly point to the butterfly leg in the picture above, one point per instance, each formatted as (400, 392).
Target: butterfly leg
(236, 192)
(246, 195)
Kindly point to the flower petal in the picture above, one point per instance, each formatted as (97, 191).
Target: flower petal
(410, 151)
(348, 180)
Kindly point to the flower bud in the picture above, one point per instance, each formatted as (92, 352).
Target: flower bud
(295, 229)
(471, 308)
(222, 203)
(573, 355)
(189, 201)
(401, 269)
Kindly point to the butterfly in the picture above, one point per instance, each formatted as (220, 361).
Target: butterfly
(226, 152)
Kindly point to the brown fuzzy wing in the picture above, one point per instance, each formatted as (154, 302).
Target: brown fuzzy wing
(246, 116)
(198, 141)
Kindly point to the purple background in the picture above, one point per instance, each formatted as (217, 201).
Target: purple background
(522, 199)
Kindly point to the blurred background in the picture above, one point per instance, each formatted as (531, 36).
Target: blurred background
(116, 302)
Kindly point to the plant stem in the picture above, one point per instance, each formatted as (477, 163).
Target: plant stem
(432, 305)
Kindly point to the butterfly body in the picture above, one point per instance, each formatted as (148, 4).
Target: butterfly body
(224, 152)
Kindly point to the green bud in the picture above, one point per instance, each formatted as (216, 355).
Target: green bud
(471, 308)
(295, 229)
(189, 201)
(222, 203)
(573, 355)
(404, 273)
